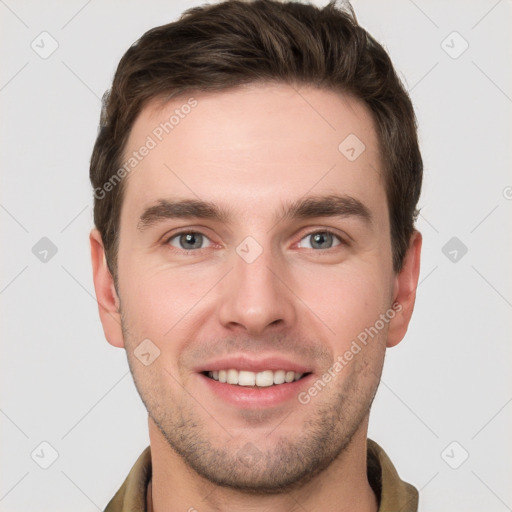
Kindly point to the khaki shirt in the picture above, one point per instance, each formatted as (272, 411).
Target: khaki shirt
(393, 494)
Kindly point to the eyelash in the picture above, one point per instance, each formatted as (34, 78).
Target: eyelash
(192, 232)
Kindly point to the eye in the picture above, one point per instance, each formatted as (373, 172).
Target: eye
(322, 240)
(188, 240)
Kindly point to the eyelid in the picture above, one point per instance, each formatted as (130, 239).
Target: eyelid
(171, 233)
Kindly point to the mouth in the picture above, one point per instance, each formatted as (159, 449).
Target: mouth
(259, 390)
(245, 382)
(249, 379)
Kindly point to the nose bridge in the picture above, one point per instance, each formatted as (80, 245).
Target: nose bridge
(252, 267)
(254, 296)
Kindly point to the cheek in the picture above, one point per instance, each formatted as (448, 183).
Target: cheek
(348, 300)
(162, 306)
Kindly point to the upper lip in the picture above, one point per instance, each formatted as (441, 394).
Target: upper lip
(244, 362)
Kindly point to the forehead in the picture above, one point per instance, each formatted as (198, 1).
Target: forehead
(251, 146)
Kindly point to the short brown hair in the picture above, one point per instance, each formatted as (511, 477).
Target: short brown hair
(220, 46)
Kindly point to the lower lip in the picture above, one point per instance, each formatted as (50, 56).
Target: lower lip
(251, 398)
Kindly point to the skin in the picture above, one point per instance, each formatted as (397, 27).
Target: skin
(250, 150)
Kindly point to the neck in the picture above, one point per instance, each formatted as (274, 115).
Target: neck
(343, 486)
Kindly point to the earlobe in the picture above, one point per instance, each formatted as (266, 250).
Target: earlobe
(406, 282)
(106, 295)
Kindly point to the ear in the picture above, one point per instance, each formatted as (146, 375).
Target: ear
(106, 295)
(404, 295)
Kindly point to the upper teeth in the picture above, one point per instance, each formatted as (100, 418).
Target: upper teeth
(262, 379)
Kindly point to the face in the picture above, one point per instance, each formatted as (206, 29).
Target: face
(255, 248)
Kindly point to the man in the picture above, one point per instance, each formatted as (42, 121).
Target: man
(256, 176)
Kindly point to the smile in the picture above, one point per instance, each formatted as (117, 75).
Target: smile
(264, 378)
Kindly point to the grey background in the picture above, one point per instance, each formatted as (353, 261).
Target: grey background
(63, 384)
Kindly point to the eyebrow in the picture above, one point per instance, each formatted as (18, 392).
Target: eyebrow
(312, 206)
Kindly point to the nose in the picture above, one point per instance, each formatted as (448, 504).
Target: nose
(255, 295)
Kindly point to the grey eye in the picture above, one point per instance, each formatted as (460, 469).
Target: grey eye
(322, 240)
(189, 240)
